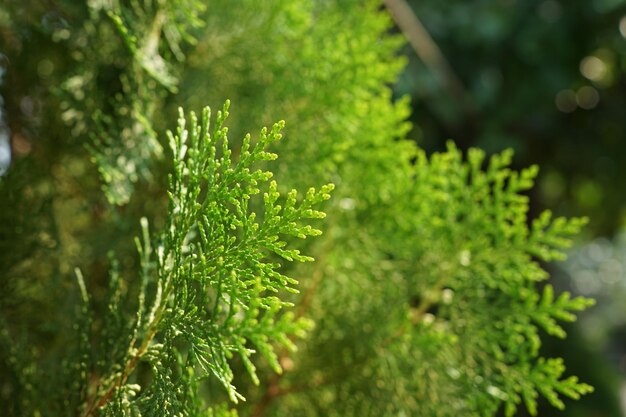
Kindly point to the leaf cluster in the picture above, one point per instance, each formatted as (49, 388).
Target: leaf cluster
(210, 288)
(428, 291)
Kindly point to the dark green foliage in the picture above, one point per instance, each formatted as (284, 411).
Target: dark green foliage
(127, 57)
(522, 68)
(424, 297)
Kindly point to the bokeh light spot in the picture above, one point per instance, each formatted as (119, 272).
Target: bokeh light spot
(587, 97)
(5, 151)
(593, 68)
(550, 10)
(588, 193)
(552, 186)
(45, 68)
(566, 101)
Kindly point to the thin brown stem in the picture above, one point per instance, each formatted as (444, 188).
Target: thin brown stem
(95, 402)
(428, 50)
(270, 393)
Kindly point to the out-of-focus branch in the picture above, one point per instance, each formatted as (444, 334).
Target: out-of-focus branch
(428, 51)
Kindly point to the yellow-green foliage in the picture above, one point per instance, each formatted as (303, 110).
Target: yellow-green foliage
(423, 296)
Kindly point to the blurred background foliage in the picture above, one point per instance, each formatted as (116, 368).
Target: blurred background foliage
(541, 76)
(544, 77)
(548, 79)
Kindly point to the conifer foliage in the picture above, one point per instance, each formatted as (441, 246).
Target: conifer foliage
(424, 296)
(214, 287)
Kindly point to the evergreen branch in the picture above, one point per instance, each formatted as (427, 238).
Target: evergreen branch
(479, 294)
(426, 292)
(272, 386)
(213, 253)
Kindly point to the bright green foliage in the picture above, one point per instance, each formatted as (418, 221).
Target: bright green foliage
(424, 294)
(325, 67)
(208, 287)
(128, 55)
(454, 278)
